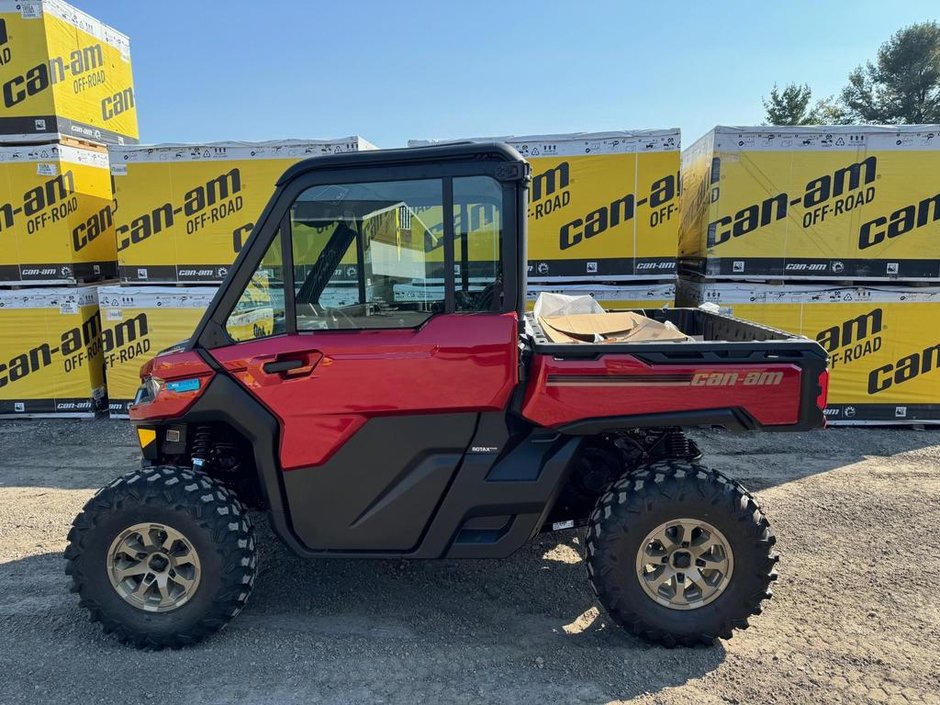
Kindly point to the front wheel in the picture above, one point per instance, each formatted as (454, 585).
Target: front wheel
(680, 554)
(162, 557)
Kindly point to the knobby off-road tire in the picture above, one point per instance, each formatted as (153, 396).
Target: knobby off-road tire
(635, 508)
(202, 524)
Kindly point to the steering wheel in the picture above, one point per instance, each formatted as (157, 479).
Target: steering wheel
(343, 314)
(329, 314)
(485, 299)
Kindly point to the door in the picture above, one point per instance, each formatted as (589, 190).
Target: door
(377, 326)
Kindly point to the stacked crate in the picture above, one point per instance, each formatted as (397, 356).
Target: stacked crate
(832, 233)
(185, 212)
(67, 90)
(603, 214)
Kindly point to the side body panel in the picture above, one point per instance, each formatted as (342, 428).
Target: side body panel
(563, 391)
(454, 363)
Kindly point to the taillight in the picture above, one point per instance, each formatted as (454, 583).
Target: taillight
(823, 383)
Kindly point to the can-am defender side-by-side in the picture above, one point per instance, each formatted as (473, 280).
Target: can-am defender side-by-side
(367, 377)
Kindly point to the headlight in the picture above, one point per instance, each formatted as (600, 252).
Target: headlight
(149, 389)
(153, 385)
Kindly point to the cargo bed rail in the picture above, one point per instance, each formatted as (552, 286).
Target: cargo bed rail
(724, 338)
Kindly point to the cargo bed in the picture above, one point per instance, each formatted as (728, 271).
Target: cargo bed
(716, 331)
(736, 374)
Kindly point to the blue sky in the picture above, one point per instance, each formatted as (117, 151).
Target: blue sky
(390, 71)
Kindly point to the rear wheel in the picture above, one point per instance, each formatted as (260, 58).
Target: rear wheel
(162, 557)
(680, 554)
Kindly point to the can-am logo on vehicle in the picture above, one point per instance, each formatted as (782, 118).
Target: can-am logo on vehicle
(730, 379)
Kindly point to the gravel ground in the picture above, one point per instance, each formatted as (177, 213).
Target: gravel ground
(855, 618)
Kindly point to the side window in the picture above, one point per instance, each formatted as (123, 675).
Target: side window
(367, 255)
(478, 232)
(260, 309)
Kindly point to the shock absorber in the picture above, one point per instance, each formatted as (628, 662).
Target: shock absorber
(678, 445)
(202, 446)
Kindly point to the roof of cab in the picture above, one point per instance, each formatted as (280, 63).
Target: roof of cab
(406, 155)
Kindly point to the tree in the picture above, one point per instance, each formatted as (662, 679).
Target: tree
(903, 85)
(789, 106)
(829, 111)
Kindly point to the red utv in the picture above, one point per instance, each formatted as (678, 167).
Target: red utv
(367, 377)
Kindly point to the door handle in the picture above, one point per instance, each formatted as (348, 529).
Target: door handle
(290, 365)
(282, 366)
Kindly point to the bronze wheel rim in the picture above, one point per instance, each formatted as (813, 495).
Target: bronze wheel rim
(684, 564)
(153, 567)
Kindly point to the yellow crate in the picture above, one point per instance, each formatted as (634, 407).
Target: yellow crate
(56, 214)
(846, 202)
(50, 352)
(884, 349)
(185, 211)
(602, 206)
(62, 72)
